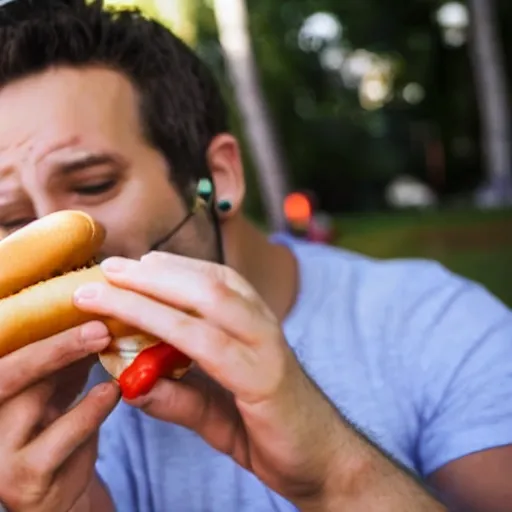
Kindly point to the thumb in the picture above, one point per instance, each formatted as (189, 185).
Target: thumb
(174, 402)
(199, 404)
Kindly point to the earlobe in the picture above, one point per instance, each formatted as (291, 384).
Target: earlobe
(226, 167)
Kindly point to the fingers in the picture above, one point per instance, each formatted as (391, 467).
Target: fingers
(174, 402)
(196, 403)
(50, 450)
(203, 292)
(232, 341)
(73, 478)
(26, 412)
(250, 371)
(31, 487)
(52, 470)
(30, 364)
(30, 455)
(198, 268)
(217, 353)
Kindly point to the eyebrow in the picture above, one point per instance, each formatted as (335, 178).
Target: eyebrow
(74, 165)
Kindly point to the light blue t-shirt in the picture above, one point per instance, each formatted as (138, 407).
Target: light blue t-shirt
(418, 358)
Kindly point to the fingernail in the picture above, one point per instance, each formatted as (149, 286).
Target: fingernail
(106, 388)
(94, 331)
(88, 291)
(114, 265)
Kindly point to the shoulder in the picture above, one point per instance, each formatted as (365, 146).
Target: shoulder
(407, 286)
(381, 274)
(416, 303)
(442, 343)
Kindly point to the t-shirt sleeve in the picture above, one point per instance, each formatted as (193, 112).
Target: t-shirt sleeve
(114, 465)
(462, 371)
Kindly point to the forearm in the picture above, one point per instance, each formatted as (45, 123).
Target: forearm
(95, 499)
(363, 479)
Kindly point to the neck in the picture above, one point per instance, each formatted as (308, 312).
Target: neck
(270, 268)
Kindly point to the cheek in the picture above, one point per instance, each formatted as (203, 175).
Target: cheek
(137, 217)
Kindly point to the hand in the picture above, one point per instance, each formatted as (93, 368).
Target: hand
(48, 453)
(262, 409)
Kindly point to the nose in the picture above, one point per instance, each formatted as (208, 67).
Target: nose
(40, 197)
(44, 206)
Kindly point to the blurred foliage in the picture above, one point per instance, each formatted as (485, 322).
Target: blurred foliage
(346, 153)
(474, 244)
(179, 16)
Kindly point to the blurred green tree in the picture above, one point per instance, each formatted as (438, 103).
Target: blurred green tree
(361, 91)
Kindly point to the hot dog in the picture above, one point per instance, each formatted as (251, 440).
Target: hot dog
(41, 267)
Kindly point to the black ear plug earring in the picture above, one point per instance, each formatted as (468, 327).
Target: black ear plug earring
(204, 193)
(224, 205)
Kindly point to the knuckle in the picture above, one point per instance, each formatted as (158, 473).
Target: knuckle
(69, 348)
(24, 486)
(30, 472)
(77, 341)
(34, 399)
(228, 274)
(86, 419)
(65, 347)
(15, 379)
(234, 281)
(223, 341)
(11, 381)
(182, 322)
(215, 291)
(25, 367)
(214, 347)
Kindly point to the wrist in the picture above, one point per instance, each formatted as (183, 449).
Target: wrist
(344, 486)
(346, 473)
(360, 477)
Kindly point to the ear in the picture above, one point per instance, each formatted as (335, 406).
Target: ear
(225, 163)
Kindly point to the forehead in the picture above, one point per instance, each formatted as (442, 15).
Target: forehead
(92, 104)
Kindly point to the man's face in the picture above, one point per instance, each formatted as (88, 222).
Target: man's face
(72, 139)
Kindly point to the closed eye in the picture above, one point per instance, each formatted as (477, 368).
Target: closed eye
(95, 189)
(14, 224)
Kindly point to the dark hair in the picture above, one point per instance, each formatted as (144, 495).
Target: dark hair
(182, 108)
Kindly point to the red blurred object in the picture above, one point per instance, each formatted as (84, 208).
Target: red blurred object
(297, 209)
(303, 222)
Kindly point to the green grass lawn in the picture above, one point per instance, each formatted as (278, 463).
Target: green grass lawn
(475, 244)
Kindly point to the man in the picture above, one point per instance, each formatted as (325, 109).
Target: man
(325, 381)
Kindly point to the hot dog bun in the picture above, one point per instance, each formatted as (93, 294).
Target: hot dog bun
(53, 245)
(35, 305)
(42, 310)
